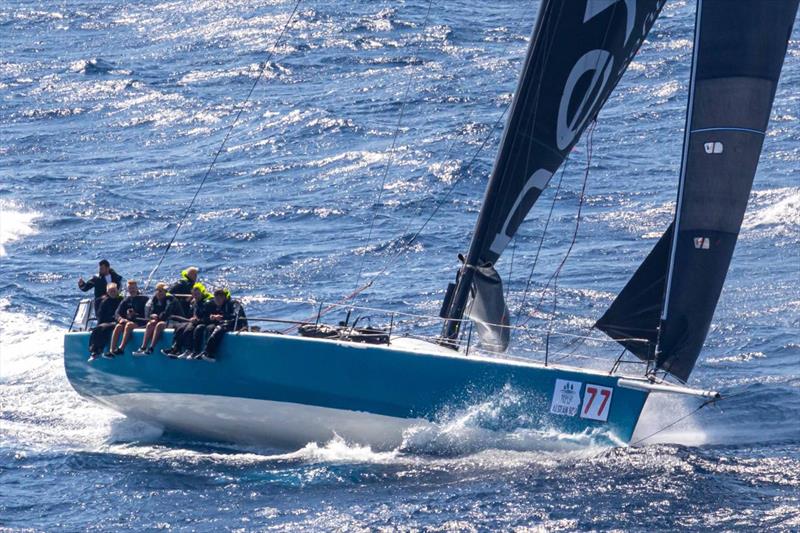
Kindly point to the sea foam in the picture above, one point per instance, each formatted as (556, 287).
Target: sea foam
(15, 224)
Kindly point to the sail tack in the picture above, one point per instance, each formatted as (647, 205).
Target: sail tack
(738, 54)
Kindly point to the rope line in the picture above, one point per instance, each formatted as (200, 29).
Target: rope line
(581, 202)
(262, 69)
(557, 273)
(676, 421)
(392, 150)
(524, 298)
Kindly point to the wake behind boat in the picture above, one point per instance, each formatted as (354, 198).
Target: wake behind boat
(370, 385)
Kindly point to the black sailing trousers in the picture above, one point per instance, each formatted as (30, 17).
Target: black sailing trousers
(216, 333)
(100, 336)
(183, 336)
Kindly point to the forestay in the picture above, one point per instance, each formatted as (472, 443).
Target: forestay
(738, 54)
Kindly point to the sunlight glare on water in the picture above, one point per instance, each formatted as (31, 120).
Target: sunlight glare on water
(111, 114)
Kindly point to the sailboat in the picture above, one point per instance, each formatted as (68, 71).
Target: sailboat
(371, 385)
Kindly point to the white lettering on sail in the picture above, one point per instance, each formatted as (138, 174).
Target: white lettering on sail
(593, 7)
(538, 180)
(599, 61)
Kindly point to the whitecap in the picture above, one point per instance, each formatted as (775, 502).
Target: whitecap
(776, 208)
(15, 224)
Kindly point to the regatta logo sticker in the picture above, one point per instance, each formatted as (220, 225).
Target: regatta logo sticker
(596, 402)
(566, 398)
(702, 243)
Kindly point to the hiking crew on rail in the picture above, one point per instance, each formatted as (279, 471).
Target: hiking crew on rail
(199, 319)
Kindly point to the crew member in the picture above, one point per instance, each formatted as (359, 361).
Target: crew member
(130, 315)
(100, 281)
(182, 289)
(184, 331)
(158, 311)
(106, 307)
(222, 314)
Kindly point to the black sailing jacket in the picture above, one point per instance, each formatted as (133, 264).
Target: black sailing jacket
(99, 283)
(163, 308)
(106, 308)
(137, 303)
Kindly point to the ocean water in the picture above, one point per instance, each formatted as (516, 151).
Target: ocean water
(111, 113)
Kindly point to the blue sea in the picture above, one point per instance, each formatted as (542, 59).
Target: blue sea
(110, 114)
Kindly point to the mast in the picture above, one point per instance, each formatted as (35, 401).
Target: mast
(578, 52)
(684, 157)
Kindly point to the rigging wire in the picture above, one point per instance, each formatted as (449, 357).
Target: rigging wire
(541, 242)
(436, 208)
(555, 275)
(389, 163)
(419, 231)
(677, 421)
(405, 245)
(511, 266)
(712, 401)
(262, 69)
(558, 270)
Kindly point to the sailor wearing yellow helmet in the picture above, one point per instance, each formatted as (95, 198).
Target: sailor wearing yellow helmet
(182, 289)
(184, 331)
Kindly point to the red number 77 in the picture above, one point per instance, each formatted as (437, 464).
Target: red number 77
(592, 392)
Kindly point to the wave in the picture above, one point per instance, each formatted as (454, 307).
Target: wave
(96, 66)
(15, 224)
(41, 412)
(775, 209)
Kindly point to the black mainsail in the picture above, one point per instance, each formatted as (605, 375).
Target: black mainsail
(739, 50)
(578, 53)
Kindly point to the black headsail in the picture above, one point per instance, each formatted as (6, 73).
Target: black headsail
(738, 54)
(578, 52)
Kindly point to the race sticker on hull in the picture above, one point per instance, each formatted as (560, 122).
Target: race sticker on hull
(596, 402)
(566, 397)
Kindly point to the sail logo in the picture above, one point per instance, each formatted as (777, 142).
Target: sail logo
(566, 397)
(583, 92)
(600, 63)
(702, 243)
(713, 147)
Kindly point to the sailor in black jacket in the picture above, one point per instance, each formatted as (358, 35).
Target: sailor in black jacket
(158, 311)
(99, 282)
(106, 307)
(222, 315)
(129, 316)
(182, 289)
(184, 331)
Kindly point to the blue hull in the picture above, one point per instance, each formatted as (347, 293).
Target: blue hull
(324, 379)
